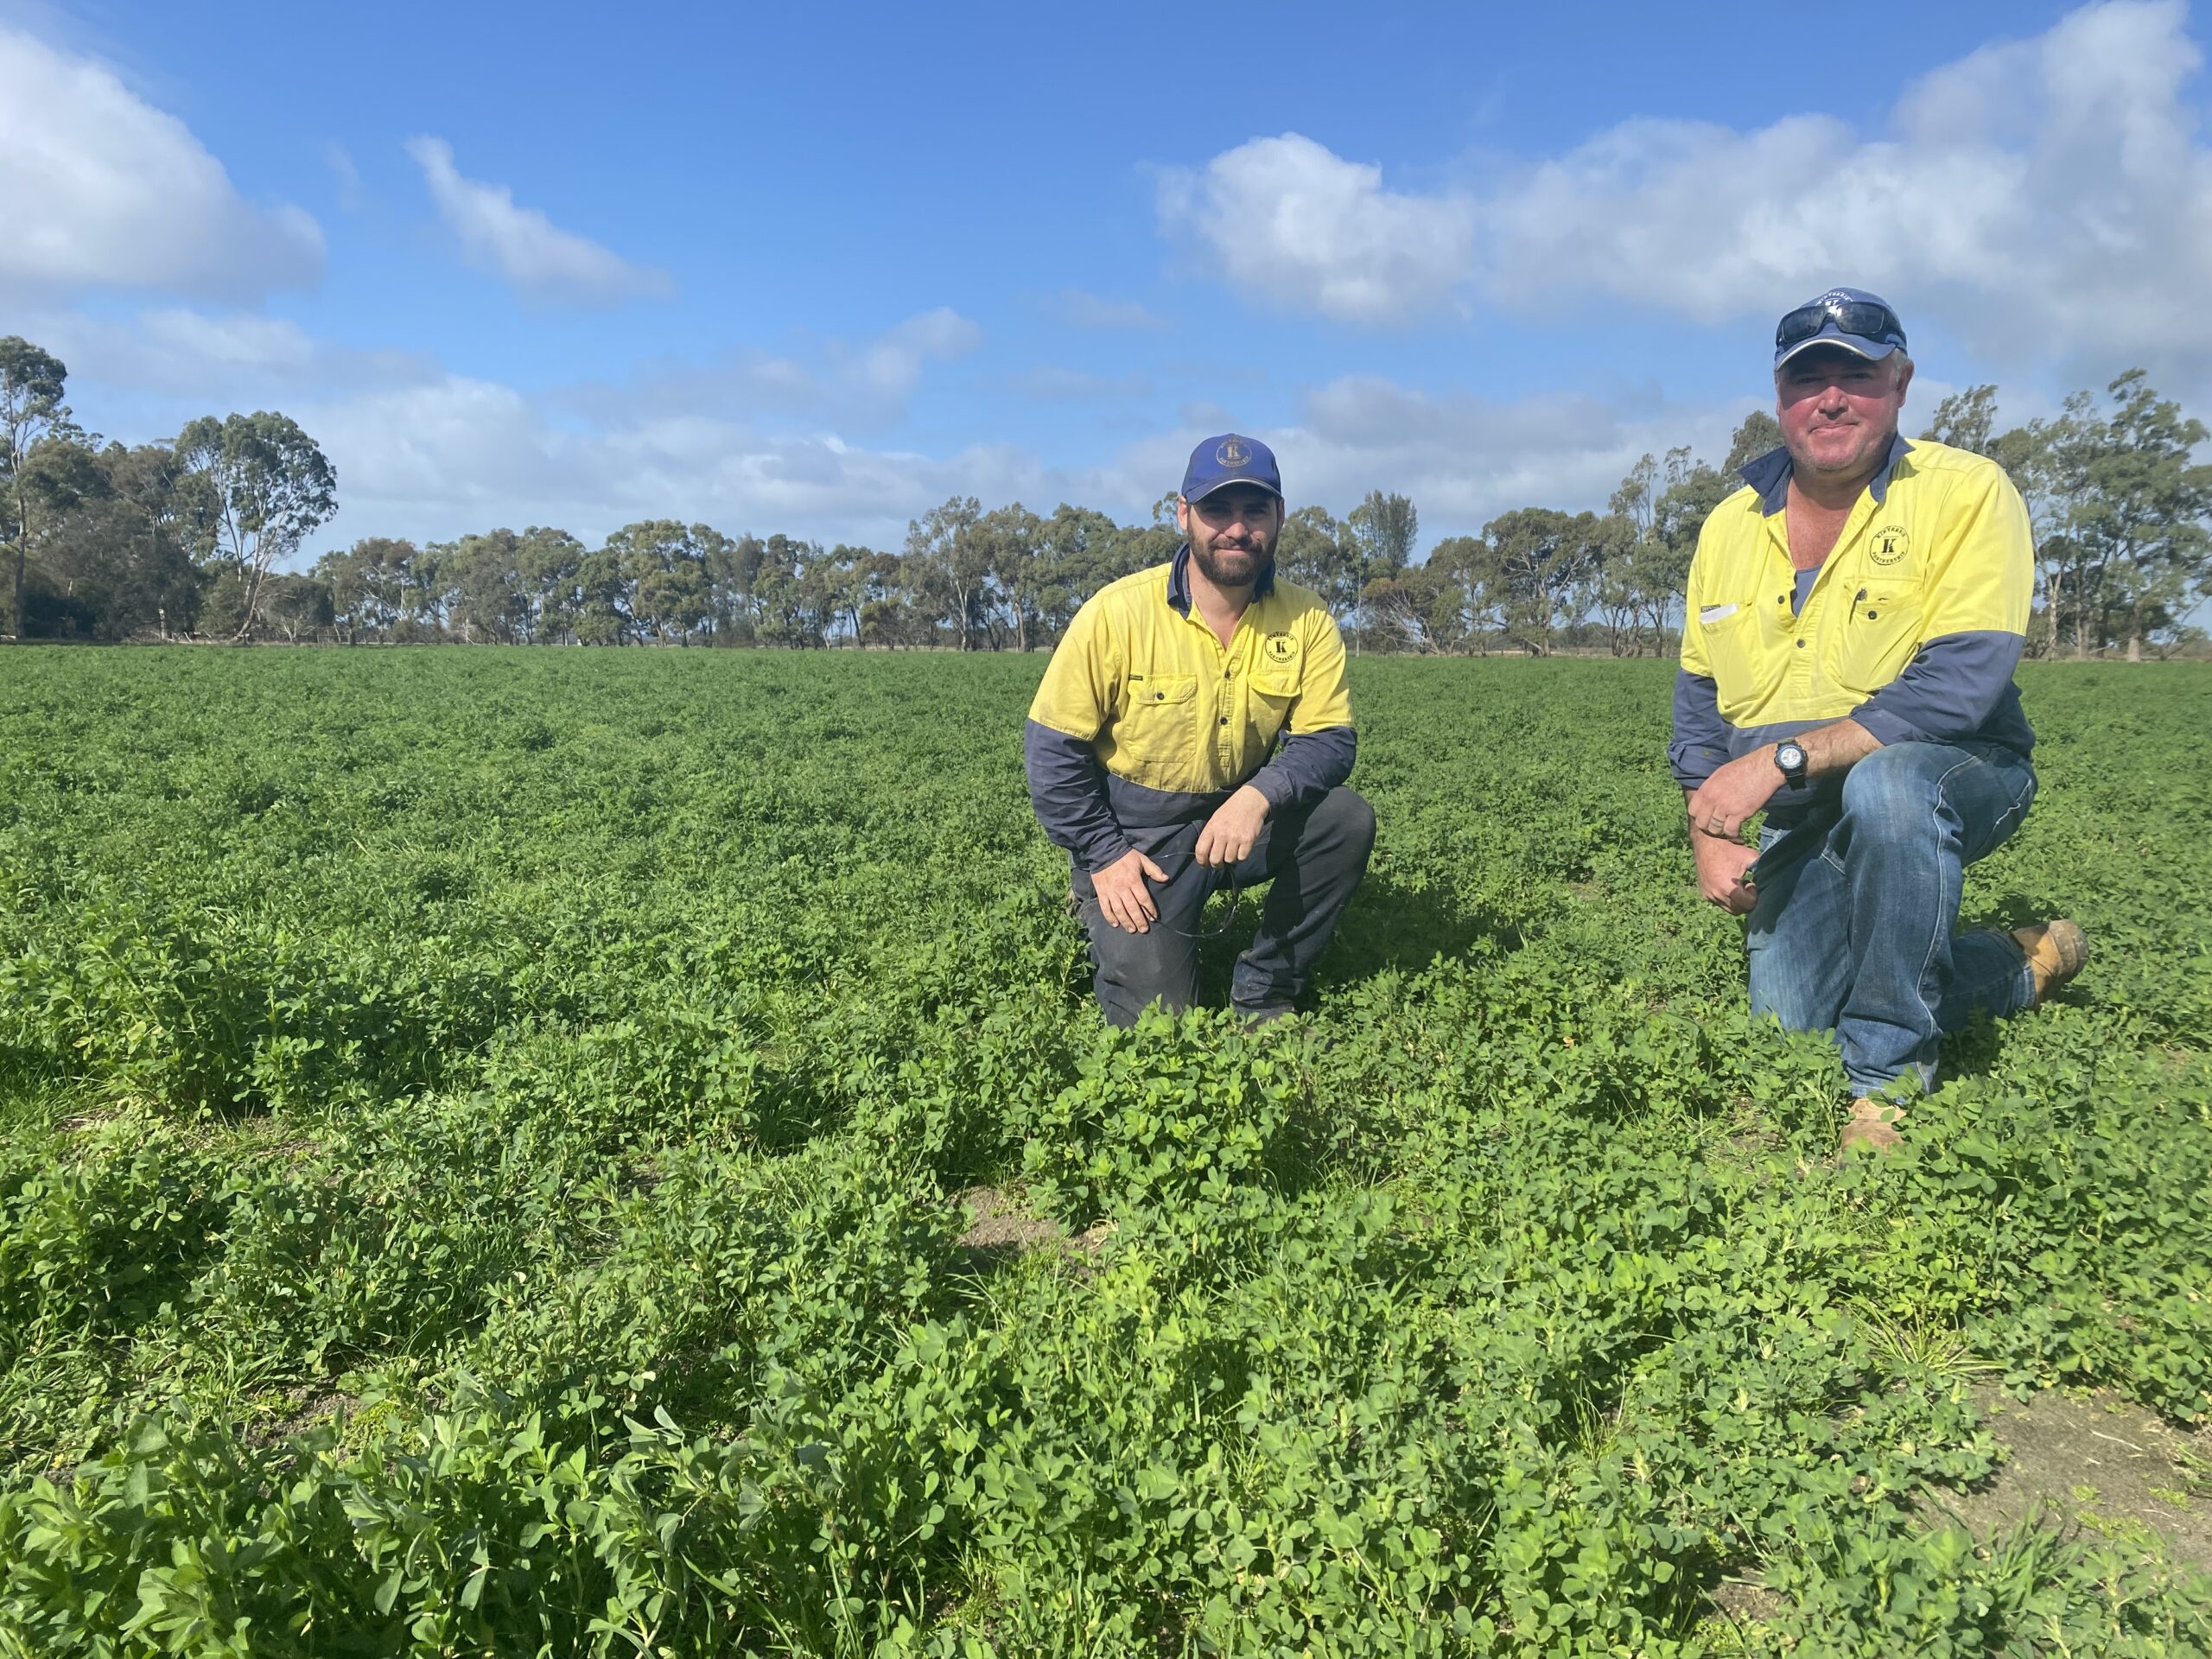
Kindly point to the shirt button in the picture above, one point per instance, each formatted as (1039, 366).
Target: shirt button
(1224, 720)
(1801, 645)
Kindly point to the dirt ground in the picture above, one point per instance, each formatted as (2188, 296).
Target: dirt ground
(2097, 1461)
(1000, 1221)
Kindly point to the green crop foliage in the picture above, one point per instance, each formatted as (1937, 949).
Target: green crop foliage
(483, 1140)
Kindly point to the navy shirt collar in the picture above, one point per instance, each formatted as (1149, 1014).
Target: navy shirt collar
(1769, 475)
(1178, 581)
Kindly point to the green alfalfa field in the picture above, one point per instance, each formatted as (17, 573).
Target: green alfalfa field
(510, 1152)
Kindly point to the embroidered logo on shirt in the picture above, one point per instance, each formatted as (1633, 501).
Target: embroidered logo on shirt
(1281, 647)
(1889, 545)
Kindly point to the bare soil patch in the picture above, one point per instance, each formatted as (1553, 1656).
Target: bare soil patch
(2093, 1460)
(1002, 1222)
(304, 1408)
(1744, 1602)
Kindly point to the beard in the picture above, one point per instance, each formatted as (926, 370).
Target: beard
(1234, 567)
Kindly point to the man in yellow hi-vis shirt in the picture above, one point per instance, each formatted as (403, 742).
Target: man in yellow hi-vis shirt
(1853, 619)
(1152, 753)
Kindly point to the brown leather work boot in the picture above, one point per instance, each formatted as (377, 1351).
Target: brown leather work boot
(2055, 950)
(1873, 1127)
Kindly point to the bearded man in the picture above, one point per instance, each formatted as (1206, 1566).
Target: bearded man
(1855, 612)
(1192, 731)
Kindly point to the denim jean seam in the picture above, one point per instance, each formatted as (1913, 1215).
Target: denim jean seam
(2015, 814)
(1943, 925)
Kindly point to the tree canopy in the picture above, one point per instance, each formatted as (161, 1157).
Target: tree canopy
(202, 536)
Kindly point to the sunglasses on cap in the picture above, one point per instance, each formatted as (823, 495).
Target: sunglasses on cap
(1868, 319)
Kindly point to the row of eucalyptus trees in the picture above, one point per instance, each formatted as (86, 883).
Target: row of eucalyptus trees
(199, 536)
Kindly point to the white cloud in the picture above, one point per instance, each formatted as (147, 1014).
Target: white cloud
(863, 383)
(1291, 221)
(99, 189)
(150, 369)
(1465, 459)
(273, 346)
(2045, 197)
(1082, 309)
(1462, 459)
(2047, 200)
(339, 160)
(891, 364)
(453, 454)
(524, 248)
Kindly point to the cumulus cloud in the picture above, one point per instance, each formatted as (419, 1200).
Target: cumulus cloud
(99, 189)
(524, 248)
(1462, 459)
(2050, 194)
(453, 455)
(2048, 197)
(1289, 220)
(891, 363)
(161, 364)
(441, 455)
(863, 383)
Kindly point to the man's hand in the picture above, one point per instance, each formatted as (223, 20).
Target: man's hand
(1721, 866)
(1724, 804)
(1123, 898)
(1228, 834)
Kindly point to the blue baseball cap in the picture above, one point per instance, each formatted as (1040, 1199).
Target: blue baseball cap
(1230, 459)
(1849, 317)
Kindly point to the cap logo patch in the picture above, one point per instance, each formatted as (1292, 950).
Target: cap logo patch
(1279, 647)
(1889, 546)
(1232, 452)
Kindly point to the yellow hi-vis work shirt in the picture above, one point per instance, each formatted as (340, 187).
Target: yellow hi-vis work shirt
(1176, 719)
(1912, 625)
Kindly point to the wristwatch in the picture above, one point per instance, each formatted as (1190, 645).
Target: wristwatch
(1789, 755)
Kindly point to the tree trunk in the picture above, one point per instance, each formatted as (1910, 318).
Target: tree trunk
(2135, 632)
(252, 606)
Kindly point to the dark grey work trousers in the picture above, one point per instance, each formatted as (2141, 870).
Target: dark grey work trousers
(1315, 860)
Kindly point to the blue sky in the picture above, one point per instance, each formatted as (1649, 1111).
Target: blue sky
(814, 269)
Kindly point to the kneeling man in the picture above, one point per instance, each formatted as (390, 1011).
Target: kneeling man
(1153, 757)
(1853, 619)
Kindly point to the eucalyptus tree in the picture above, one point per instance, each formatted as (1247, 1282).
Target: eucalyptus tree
(268, 487)
(948, 566)
(31, 410)
(2135, 519)
(1013, 547)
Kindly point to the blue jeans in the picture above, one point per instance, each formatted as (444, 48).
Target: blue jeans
(1857, 901)
(1315, 859)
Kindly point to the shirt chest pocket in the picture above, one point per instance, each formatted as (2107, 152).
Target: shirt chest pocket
(1870, 639)
(1732, 645)
(1156, 737)
(1163, 694)
(1272, 694)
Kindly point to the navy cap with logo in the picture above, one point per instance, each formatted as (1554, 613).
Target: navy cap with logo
(1230, 459)
(1849, 317)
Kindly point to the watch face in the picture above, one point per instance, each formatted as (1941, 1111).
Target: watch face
(1788, 757)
